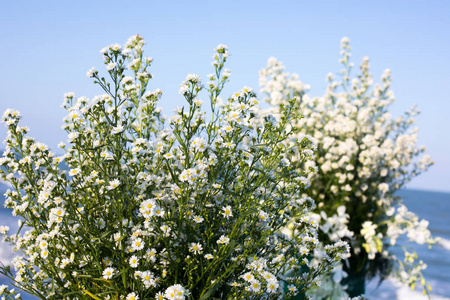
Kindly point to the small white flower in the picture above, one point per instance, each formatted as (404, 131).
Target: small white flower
(198, 219)
(223, 240)
(134, 261)
(175, 292)
(111, 66)
(196, 248)
(108, 273)
(227, 212)
(90, 73)
(118, 129)
(113, 184)
(272, 286)
(137, 244)
(72, 136)
(74, 172)
(4, 229)
(132, 296)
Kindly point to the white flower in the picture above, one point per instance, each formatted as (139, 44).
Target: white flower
(383, 187)
(248, 277)
(165, 229)
(137, 244)
(118, 129)
(90, 73)
(196, 248)
(255, 286)
(198, 219)
(132, 296)
(74, 172)
(72, 136)
(44, 253)
(175, 292)
(134, 261)
(111, 66)
(184, 88)
(56, 214)
(272, 286)
(223, 240)
(148, 279)
(4, 229)
(113, 184)
(108, 273)
(227, 213)
(368, 229)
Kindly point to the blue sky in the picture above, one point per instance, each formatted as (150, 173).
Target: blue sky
(47, 47)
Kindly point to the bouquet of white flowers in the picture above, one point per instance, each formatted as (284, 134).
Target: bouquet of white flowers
(190, 210)
(364, 156)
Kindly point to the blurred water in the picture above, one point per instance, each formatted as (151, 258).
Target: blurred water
(432, 206)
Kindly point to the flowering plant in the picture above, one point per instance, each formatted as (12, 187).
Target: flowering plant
(364, 156)
(192, 210)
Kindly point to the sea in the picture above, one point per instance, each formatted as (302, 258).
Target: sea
(432, 206)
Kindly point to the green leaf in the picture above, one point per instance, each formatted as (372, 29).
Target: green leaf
(210, 292)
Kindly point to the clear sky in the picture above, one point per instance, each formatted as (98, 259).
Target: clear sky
(47, 47)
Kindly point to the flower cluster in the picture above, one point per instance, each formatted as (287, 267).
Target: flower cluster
(136, 209)
(364, 156)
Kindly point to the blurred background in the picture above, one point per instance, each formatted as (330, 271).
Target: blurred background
(48, 46)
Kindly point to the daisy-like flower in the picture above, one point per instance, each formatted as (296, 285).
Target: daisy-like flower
(292, 288)
(115, 47)
(223, 240)
(90, 73)
(72, 136)
(263, 216)
(127, 80)
(134, 261)
(229, 145)
(209, 256)
(304, 250)
(165, 229)
(111, 66)
(148, 278)
(227, 128)
(248, 277)
(56, 214)
(196, 248)
(148, 207)
(113, 184)
(159, 296)
(227, 212)
(175, 292)
(118, 129)
(132, 296)
(4, 229)
(74, 172)
(198, 219)
(255, 286)
(184, 88)
(199, 144)
(272, 286)
(137, 244)
(108, 273)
